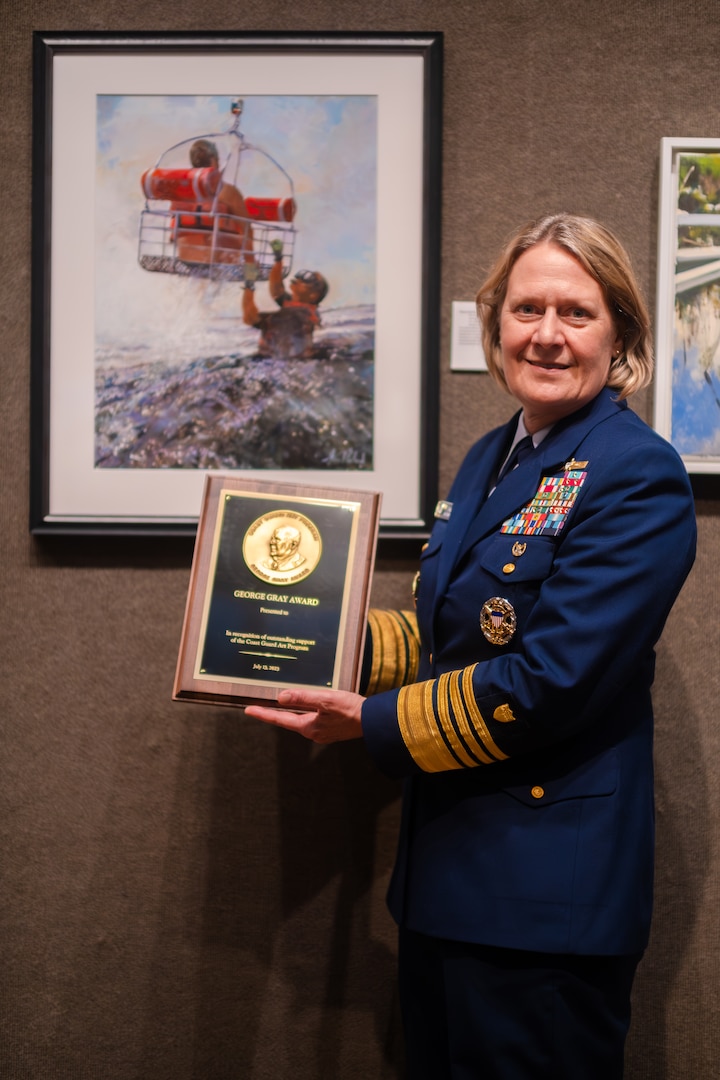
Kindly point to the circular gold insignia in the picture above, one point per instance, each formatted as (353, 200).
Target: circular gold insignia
(282, 547)
(498, 620)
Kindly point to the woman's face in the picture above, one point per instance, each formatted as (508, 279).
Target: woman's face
(557, 335)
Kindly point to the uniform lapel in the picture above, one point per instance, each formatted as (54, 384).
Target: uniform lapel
(516, 489)
(467, 504)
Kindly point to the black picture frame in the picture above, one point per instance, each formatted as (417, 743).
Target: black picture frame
(688, 283)
(68, 493)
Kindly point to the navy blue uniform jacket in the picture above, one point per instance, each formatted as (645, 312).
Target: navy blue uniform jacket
(549, 848)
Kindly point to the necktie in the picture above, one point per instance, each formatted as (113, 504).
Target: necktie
(520, 451)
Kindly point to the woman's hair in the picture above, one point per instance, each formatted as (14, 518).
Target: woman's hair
(605, 259)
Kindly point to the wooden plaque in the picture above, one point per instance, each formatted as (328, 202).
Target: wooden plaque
(279, 591)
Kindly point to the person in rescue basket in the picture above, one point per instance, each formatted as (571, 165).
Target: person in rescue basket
(523, 881)
(198, 241)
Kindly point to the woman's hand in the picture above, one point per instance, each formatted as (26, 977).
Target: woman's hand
(330, 715)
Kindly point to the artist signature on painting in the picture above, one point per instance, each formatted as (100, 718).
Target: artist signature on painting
(350, 456)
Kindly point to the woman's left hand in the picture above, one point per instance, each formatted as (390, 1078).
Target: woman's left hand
(330, 715)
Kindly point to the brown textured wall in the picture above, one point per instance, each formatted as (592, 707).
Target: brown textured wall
(186, 896)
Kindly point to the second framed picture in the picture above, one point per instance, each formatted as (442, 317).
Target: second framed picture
(687, 383)
(235, 269)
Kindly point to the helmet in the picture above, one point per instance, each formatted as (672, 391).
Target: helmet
(312, 277)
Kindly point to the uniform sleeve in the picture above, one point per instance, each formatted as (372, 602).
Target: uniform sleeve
(392, 651)
(586, 645)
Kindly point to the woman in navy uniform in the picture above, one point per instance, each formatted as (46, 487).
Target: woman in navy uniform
(517, 704)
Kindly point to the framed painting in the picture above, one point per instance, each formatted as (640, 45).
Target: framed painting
(687, 382)
(235, 270)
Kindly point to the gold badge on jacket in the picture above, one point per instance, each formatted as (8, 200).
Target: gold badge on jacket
(498, 621)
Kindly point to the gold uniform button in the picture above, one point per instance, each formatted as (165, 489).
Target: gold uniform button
(537, 792)
(508, 568)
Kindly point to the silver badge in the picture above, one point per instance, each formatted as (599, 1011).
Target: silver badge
(443, 510)
(498, 621)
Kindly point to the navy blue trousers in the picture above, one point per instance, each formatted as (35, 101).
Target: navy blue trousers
(474, 1012)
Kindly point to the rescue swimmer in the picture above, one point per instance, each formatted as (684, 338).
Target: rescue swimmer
(287, 332)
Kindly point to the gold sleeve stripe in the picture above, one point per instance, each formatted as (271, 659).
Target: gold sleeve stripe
(395, 649)
(475, 717)
(465, 731)
(419, 730)
(374, 625)
(445, 707)
(408, 627)
(442, 726)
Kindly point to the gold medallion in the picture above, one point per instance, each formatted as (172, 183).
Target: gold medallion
(498, 620)
(282, 547)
